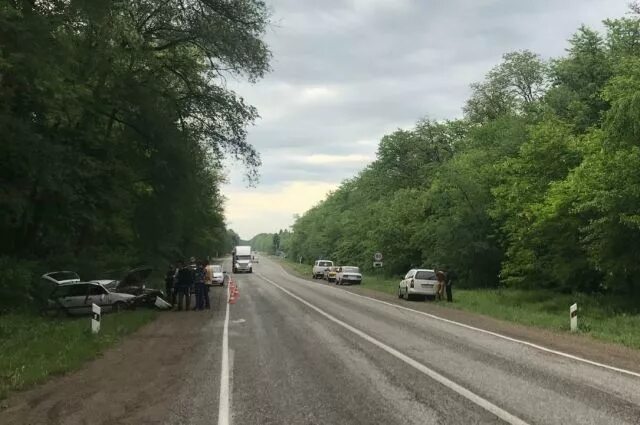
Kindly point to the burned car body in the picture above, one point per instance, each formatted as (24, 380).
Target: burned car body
(135, 283)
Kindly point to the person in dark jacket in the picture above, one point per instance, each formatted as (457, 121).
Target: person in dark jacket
(183, 285)
(451, 276)
(168, 284)
(200, 276)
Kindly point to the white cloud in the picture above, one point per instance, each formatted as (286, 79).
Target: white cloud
(346, 72)
(251, 211)
(336, 159)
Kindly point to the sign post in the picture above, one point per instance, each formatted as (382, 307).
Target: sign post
(573, 317)
(95, 318)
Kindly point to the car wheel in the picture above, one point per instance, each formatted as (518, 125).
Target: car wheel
(119, 306)
(399, 292)
(406, 294)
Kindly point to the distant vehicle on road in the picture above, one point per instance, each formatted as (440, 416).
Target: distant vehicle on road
(348, 275)
(76, 299)
(421, 282)
(218, 274)
(319, 267)
(330, 274)
(242, 259)
(254, 257)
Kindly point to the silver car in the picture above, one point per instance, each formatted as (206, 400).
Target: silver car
(76, 299)
(217, 277)
(348, 275)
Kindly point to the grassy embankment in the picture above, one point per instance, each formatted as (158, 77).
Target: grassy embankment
(33, 348)
(601, 317)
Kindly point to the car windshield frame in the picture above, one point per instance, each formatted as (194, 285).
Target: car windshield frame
(243, 257)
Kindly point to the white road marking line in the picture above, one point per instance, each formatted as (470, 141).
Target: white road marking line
(508, 338)
(223, 405)
(471, 396)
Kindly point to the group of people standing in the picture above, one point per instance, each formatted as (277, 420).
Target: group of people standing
(186, 278)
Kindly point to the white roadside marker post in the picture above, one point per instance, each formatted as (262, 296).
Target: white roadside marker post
(95, 318)
(573, 317)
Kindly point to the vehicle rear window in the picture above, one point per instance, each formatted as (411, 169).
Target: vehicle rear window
(217, 268)
(325, 264)
(350, 270)
(425, 275)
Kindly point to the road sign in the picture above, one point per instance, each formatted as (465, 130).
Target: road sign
(95, 318)
(377, 264)
(573, 317)
(377, 256)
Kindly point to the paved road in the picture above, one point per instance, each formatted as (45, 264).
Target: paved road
(309, 353)
(301, 352)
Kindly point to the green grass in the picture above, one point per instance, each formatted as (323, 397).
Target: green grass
(603, 317)
(33, 348)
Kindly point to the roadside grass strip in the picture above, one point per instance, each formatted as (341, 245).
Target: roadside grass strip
(33, 348)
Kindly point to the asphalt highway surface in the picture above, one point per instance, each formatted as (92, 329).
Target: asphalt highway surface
(295, 351)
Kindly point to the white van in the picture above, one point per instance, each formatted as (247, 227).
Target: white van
(320, 267)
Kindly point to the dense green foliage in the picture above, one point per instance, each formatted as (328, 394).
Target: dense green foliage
(538, 184)
(270, 243)
(115, 119)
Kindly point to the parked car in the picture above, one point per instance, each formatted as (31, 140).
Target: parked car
(218, 275)
(319, 267)
(76, 299)
(421, 282)
(61, 277)
(348, 275)
(330, 274)
(135, 283)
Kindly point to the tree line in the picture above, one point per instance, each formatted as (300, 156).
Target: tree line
(538, 185)
(115, 118)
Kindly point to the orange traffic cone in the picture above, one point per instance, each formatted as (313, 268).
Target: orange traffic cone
(232, 298)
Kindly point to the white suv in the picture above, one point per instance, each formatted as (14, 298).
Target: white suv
(420, 282)
(319, 267)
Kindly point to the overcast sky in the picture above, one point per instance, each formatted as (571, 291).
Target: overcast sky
(347, 72)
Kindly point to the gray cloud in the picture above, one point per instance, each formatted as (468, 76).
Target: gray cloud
(347, 72)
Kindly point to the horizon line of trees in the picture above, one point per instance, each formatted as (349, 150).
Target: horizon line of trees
(538, 185)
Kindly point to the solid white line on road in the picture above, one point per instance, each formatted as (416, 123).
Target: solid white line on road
(508, 338)
(223, 405)
(471, 396)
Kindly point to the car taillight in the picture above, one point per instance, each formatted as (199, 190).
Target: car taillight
(412, 283)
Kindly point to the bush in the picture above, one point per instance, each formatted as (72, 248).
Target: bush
(17, 278)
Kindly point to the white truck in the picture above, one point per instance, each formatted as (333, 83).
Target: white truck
(242, 261)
